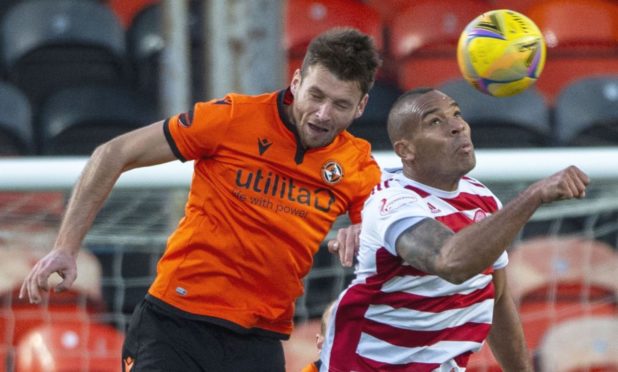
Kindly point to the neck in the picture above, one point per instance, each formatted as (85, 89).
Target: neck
(433, 179)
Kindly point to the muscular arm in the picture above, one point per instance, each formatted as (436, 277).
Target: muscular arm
(142, 147)
(432, 247)
(506, 337)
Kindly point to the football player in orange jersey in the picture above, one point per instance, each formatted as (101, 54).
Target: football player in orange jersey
(272, 172)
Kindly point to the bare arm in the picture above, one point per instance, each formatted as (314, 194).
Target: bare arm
(506, 337)
(139, 148)
(432, 247)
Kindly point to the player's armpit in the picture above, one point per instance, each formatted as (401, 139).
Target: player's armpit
(421, 245)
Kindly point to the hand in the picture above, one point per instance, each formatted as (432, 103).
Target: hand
(346, 244)
(569, 183)
(56, 261)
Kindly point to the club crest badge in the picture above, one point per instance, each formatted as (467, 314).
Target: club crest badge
(332, 172)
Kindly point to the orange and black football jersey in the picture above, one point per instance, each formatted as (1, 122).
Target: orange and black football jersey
(258, 208)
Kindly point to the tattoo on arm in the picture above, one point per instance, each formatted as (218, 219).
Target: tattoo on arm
(421, 245)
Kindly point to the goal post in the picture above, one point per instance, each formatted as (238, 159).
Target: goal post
(493, 166)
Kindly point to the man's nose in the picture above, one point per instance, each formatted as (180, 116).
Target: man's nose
(324, 111)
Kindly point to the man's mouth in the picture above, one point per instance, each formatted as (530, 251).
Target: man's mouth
(316, 128)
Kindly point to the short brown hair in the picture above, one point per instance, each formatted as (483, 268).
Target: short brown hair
(346, 52)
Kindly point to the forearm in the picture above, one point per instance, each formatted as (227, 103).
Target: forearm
(434, 248)
(92, 189)
(478, 246)
(506, 337)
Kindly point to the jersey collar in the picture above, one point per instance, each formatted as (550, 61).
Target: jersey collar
(285, 98)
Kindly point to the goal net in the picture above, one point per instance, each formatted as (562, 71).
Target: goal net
(563, 263)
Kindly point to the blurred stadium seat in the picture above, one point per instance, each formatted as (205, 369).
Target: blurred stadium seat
(62, 43)
(556, 18)
(372, 124)
(127, 10)
(555, 279)
(70, 346)
(73, 121)
(305, 19)
(16, 132)
(424, 36)
(146, 43)
(581, 345)
(581, 38)
(522, 120)
(483, 361)
(18, 317)
(517, 5)
(388, 9)
(586, 112)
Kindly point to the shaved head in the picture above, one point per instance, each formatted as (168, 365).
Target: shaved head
(399, 115)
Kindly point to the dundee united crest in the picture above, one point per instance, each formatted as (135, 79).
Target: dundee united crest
(332, 172)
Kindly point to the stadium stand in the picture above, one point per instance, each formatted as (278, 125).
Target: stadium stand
(592, 346)
(581, 38)
(423, 40)
(127, 10)
(16, 131)
(146, 44)
(63, 43)
(517, 5)
(73, 121)
(586, 112)
(70, 346)
(372, 124)
(522, 120)
(17, 317)
(554, 279)
(304, 19)
(388, 9)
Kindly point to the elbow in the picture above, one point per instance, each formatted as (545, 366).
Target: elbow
(453, 272)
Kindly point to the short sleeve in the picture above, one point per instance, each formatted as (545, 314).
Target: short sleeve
(196, 134)
(370, 178)
(389, 206)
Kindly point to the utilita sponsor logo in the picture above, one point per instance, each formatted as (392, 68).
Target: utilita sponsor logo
(285, 188)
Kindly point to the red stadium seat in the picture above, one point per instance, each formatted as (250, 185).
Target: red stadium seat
(18, 317)
(388, 9)
(304, 19)
(126, 10)
(424, 36)
(71, 346)
(483, 361)
(567, 23)
(581, 344)
(555, 279)
(581, 37)
(516, 5)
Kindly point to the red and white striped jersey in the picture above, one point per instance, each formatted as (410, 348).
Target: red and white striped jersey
(394, 317)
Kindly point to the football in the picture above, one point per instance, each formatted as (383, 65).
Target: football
(501, 53)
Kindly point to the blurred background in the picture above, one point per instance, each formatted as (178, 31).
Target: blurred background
(75, 73)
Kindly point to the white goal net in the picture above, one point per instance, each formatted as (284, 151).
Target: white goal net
(564, 261)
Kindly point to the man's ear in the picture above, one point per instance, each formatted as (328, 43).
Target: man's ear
(295, 83)
(361, 106)
(404, 149)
